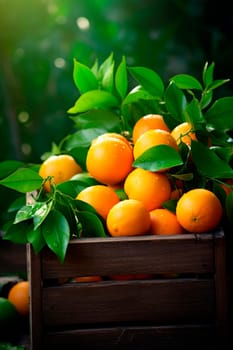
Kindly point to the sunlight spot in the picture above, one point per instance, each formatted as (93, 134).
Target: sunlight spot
(23, 117)
(59, 62)
(83, 23)
(26, 148)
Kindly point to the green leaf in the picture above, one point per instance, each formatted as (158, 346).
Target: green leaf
(94, 99)
(108, 78)
(208, 73)
(149, 79)
(56, 233)
(121, 80)
(158, 158)
(92, 226)
(219, 115)
(23, 180)
(194, 113)
(84, 78)
(73, 187)
(17, 233)
(208, 163)
(217, 83)
(185, 81)
(82, 138)
(175, 102)
(105, 66)
(136, 95)
(35, 237)
(98, 119)
(36, 211)
(9, 166)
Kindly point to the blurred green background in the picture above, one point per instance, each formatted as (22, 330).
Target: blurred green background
(40, 38)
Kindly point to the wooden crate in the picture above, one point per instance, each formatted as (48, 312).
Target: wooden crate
(169, 313)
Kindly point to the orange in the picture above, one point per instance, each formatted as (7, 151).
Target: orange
(152, 138)
(164, 222)
(148, 122)
(109, 160)
(184, 132)
(151, 188)
(114, 135)
(60, 167)
(101, 197)
(19, 297)
(199, 210)
(129, 217)
(88, 279)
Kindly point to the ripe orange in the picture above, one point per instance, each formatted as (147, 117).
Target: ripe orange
(129, 217)
(61, 167)
(199, 210)
(101, 197)
(88, 279)
(152, 138)
(19, 297)
(151, 188)
(114, 135)
(184, 132)
(109, 160)
(148, 122)
(164, 222)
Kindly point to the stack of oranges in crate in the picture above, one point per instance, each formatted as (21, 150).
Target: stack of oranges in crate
(144, 159)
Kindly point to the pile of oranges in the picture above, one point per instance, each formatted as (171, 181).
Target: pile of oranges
(110, 161)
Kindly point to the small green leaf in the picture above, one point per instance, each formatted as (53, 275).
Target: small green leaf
(73, 187)
(17, 233)
(175, 102)
(208, 73)
(136, 95)
(194, 113)
(158, 158)
(35, 237)
(208, 163)
(217, 83)
(9, 166)
(92, 226)
(84, 78)
(94, 99)
(23, 180)
(105, 66)
(56, 233)
(82, 138)
(108, 78)
(100, 119)
(219, 115)
(185, 81)
(121, 80)
(149, 79)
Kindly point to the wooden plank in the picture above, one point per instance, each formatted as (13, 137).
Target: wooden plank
(161, 301)
(136, 338)
(221, 286)
(149, 254)
(34, 277)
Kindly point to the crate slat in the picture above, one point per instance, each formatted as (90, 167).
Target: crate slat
(168, 254)
(160, 301)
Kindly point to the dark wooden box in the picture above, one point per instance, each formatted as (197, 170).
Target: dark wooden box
(185, 311)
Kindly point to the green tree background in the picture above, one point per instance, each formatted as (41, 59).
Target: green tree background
(40, 38)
